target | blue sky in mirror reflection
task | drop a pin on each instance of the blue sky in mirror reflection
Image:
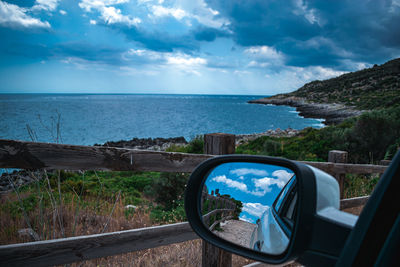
(255, 184)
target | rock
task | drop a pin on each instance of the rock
(158, 144)
(332, 113)
(244, 138)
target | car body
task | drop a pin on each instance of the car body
(274, 228)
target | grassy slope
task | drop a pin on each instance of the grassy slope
(372, 88)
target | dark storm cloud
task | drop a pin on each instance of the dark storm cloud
(94, 54)
(159, 41)
(366, 31)
(208, 34)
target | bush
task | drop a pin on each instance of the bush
(169, 189)
(369, 138)
(195, 146)
(177, 214)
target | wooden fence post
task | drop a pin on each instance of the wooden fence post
(337, 156)
(217, 144)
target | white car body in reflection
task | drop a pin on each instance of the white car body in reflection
(268, 236)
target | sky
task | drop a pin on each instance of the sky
(256, 185)
(257, 47)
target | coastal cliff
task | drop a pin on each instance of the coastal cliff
(345, 96)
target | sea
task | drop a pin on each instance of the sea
(87, 119)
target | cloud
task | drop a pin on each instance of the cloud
(264, 56)
(255, 209)
(230, 183)
(247, 171)
(185, 61)
(309, 14)
(160, 11)
(283, 176)
(342, 31)
(264, 185)
(63, 12)
(90, 5)
(208, 34)
(14, 16)
(108, 13)
(112, 15)
(46, 5)
(264, 52)
(245, 219)
(179, 61)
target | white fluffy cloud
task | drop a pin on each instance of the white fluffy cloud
(255, 209)
(112, 15)
(197, 10)
(264, 56)
(185, 61)
(46, 5)
(160, 11)
(230, 183)
(14, 16)
(282, 176)
(108, 13)
(264, 185)
(246, 171)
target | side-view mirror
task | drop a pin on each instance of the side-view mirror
(268, 209)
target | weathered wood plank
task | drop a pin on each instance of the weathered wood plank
(30, 155)
(353, 202)
(68, 250)
(207, 216)
(219, 221)
(219, 144)
(337, 168)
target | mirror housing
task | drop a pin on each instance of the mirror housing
(319, 231)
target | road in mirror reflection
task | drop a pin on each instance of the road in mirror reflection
(251, 204)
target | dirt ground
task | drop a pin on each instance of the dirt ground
(236, 231)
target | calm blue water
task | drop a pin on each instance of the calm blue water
(90, 119)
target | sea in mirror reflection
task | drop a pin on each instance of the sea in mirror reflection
(237, 204)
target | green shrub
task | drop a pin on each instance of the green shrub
(369, 138)
(195, 146)
(169, 189)
(177, 214)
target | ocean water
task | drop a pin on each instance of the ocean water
(86, 119)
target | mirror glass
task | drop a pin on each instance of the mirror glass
(251, 204)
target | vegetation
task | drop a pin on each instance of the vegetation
(195, 146)
(372, 88)
(369, 138)
(63, 204)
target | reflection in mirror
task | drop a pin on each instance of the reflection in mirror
(251, 204)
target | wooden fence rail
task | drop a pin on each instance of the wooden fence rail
(29, 155)
(216, 205)
(68, 250)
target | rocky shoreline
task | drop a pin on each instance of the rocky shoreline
(331, 113)
(157, 144)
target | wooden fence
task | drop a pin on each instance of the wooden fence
(29, 155)
(217, 209)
